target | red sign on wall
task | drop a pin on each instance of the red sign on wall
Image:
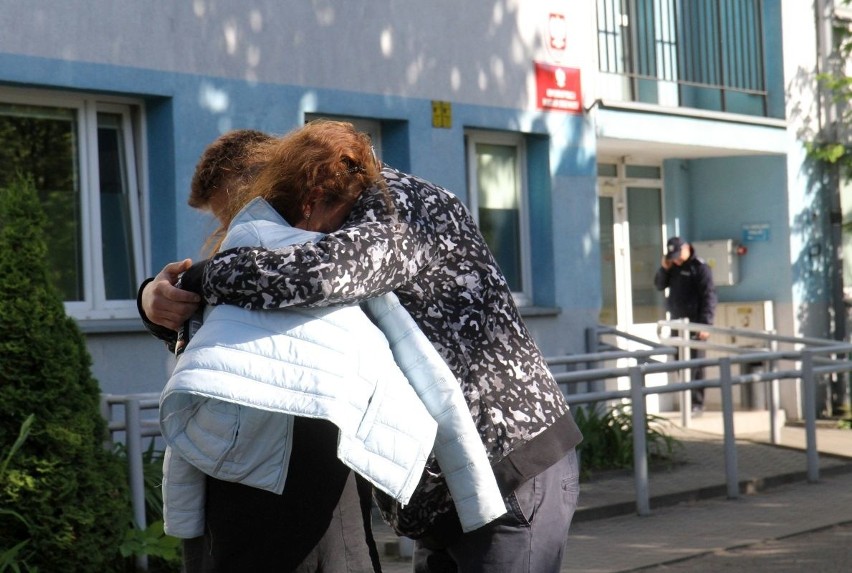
(558, 87)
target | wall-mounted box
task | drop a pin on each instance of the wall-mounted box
(722, 258)
(743, 316)
(750, 315)
(756, 315)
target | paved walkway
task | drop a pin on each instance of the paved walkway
(691, 515)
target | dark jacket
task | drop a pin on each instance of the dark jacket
(692, 294)
(429, 251)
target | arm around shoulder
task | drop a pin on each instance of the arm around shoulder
(368, 257)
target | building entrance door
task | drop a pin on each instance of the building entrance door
(631, 227)
(631, 223)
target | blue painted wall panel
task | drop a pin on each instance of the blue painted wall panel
(728, 193)
(184, 112)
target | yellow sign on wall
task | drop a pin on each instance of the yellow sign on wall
(442, 114)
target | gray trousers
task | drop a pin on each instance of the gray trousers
(530, 538)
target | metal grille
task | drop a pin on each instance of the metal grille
(712, 50)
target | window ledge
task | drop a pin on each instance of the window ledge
(112, 326)
(539, 311)
(689, 112)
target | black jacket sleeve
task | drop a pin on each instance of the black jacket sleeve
(706, 293)
(376, 252)
(167, 335)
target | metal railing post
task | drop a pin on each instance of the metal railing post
(133, 437)
(726, 389)
(591, 340)
(640, 447)
(592, 348)
(774, 401)
(809, 405)
(686, 395)
(809, 363)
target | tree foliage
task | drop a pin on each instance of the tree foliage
(833, 146)
(67, 492)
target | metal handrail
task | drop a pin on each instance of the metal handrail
(813, 357)
(770, 335)
(135, 428)
(816, 357)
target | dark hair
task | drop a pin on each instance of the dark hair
(223, 163)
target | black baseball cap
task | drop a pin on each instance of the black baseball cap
(673, 247)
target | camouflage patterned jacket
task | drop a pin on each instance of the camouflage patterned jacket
(428, 250)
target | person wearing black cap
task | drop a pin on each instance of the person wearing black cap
(692, 295)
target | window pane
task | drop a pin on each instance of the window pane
(608, 313)
(643, 172)
(607, 170)
(116, 234)
(42, 142)
(499, 207)
(705, 54)
(644, 207)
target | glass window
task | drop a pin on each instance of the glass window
(120, 281)
(80, 154)
(642, 172)
(41, 142)
(498, 203)
(371, 127)
(630, 211)
(705, 55)
(607, 170)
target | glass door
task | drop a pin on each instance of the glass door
(630, 203)
(645, 224)
(609, 301)
(631, 238)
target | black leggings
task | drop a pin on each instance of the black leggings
(316, 524)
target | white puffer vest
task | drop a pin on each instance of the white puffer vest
(227, 411)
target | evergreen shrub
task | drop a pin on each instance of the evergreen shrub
(68, 493)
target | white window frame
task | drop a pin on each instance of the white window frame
(516, 140)
(95, 305)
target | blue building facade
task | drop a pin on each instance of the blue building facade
(582, 134)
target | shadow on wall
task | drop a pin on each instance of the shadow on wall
(817, 267)
(397, 51)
